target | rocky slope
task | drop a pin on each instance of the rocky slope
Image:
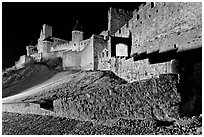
(29, 124)
(15, 81)
(103, 98)
(104, 102)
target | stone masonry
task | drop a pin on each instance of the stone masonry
(137, 45)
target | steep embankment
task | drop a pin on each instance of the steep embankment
(107, 103)
(17, 81)
(32, 76)
(102, 98)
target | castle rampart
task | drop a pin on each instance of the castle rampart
(117, 18)
(87, 57)
(159, 38)
(157, 32)
(159, 28)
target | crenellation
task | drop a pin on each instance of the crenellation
(145, 36)
(116, 19)
(141, 7)
(121, 10)
(160, 42)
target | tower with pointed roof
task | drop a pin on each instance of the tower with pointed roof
(77, 33)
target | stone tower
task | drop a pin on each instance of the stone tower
(46, 31)
(44, 44)
(77, 33)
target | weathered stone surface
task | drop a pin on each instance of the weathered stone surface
(131, 70)
(159, 27)
(117, 18)
(176, 24)
(101, 97)
(150, 99)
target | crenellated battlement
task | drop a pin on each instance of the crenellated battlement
(117, 18)
(153, 28)
(155, 40)
(161, 21)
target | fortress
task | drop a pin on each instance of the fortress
(159, 46)
(159, 38)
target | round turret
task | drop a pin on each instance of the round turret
(77, 33)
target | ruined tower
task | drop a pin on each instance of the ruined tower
(77, 33)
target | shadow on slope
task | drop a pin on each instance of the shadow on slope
(103, 97)
(25, 78)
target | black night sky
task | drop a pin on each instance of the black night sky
(22, 22)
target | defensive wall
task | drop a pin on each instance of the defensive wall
(117, 18)
(71, 60)
(87, 57)
(58, 41)
(166, 38)
(22, 61)
(99, 45)
(104, 99)
(160, 33)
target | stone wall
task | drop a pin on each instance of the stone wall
(139, 70)
(164, 26)
(104, 63)
(151, 99)
(84, 43)
(58, 41)
(99, 44)
(22, 61)
(56, 54)
(87, 55)
(66, 46)
(117, 18)
(71, 59)
(83, 59)
(26, 108)
(158, 28)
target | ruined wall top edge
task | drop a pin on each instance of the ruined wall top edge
(121, 11)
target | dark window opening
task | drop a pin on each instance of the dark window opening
(102, 54)
(48, 104)
(138, 16)
(152, 4)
